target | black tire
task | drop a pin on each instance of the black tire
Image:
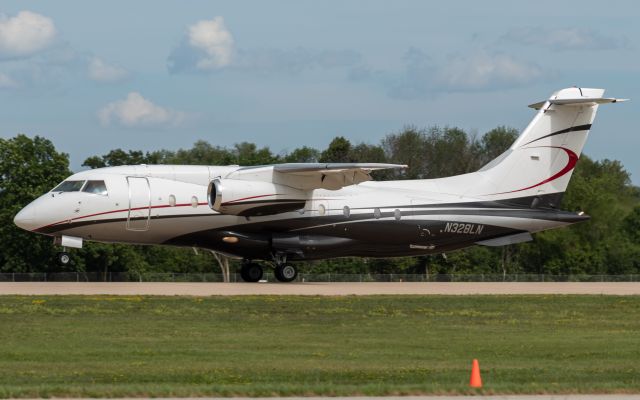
(251, 272)
(64, 258)
(286, 273)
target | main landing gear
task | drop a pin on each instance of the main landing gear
(253, 272)
(286, 273)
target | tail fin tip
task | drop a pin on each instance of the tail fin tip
(576, 96)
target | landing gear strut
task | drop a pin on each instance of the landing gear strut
(251, 272)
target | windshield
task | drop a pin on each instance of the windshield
(69, 186)
(96, 187)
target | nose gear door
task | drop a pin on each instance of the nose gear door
(139, 204)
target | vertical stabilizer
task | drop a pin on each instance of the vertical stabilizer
(543, 157)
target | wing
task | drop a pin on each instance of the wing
(307, 176)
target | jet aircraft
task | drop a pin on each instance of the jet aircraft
(278, 214)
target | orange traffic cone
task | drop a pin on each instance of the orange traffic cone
(475, 381)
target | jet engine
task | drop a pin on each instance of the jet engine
(253, 198)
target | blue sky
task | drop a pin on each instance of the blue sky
(94, 76)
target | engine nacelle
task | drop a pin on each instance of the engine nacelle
(253, 198)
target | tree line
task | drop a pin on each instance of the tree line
(607, 244)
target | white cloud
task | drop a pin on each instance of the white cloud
(424, 76)
(6, 82)
(25, 34)
(483, 70)
(100, 71)
(562, 38)
(136, 111)
(208, 45)
(215, 40)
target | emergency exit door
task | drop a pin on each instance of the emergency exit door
(139, 204)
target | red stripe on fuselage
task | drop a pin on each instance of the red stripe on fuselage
(117, 211)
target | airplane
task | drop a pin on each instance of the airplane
(274, 215)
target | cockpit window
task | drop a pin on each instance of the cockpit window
(96, 187)
(69, 186)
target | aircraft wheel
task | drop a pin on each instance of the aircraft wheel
(251, 272)
(64, 258)
(286, 273)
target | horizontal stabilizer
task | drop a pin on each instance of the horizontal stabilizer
(579, 101)
(505, 240)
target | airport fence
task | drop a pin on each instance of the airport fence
(306, 277)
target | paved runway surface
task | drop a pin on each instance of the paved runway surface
(315, 289)
(512, 397)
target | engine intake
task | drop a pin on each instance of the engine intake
(253, 198)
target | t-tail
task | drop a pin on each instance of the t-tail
(540, 162)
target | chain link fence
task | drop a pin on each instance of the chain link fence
(306, 277)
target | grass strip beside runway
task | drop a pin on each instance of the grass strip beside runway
(117, 346)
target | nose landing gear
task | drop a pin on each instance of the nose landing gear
(63, 258)
(66, 241)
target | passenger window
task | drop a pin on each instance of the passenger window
(96, 187)
(69, 186)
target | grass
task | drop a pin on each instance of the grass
(269, 345)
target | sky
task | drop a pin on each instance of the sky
(95, 76)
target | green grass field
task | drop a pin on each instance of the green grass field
(269, 345)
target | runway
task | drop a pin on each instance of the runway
(319, 289)
(496, 397)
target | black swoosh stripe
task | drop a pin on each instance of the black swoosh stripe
(251, 202)
(585, 127)
(545, 201)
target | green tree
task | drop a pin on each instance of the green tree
(29, 167)
(631, 225)
(249, 154)
(363, 153)
(496, 142)
(120, 157)
(407, 147)
(601, 245)
(203, 153)
(302, 154)
(339, 151)
(449, 152)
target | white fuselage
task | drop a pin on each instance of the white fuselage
(157, 204)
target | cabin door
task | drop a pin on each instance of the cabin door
(139, 204)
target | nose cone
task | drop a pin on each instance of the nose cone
(26, 218)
